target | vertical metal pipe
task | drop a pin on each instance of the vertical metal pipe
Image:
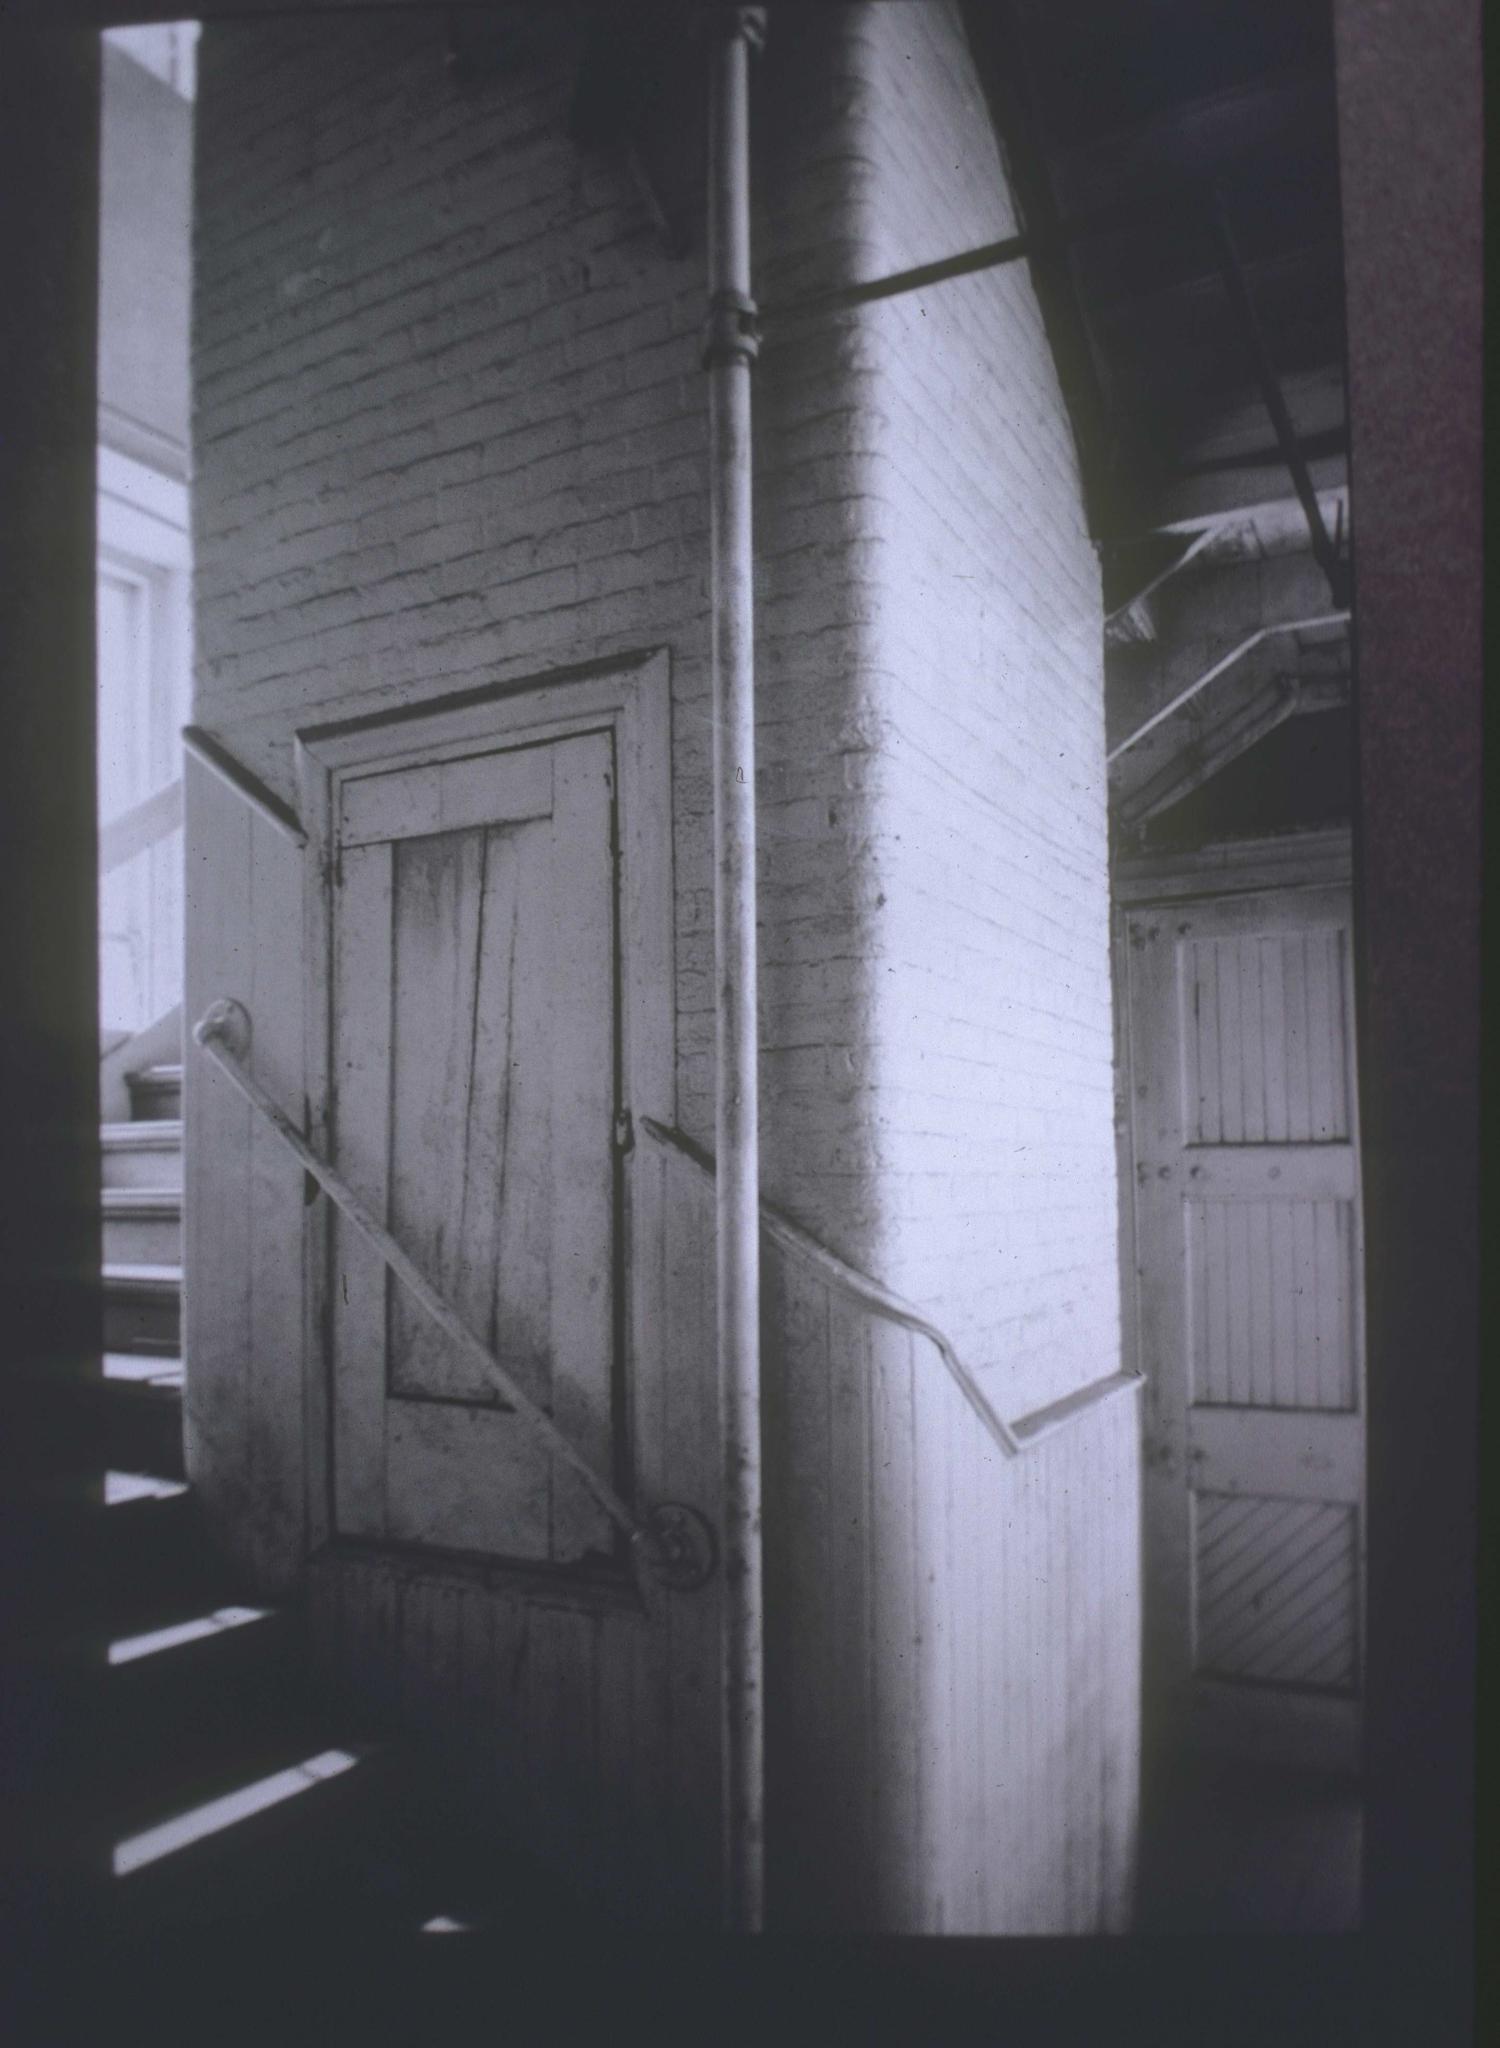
(730, 351)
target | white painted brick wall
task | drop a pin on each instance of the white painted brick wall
(451, 428)
(993, 1092)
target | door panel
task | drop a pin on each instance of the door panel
(1265, 1036)
(475, 1076)
(1249, 1298)
(473, 1211)
(1270, 1302)
(1277, 1590)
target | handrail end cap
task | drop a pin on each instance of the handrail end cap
(227, 1021)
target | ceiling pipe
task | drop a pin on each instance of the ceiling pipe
(732, 341)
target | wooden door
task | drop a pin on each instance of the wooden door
(1249, 1290)
(474, 1091)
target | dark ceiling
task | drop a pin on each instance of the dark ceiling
(1133, 110)
(1133, 113)
(1123, 122)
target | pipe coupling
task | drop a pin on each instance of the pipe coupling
(732, 329)
(731, 22)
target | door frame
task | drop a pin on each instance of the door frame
(630, 698)
(1247, 867)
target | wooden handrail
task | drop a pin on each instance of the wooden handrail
(142, 826)
(1013, 1438)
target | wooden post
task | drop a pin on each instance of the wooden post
(727, 358)
(1410, 104)
(49, 1063)
(50, 1305)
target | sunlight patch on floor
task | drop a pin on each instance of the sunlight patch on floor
(120, 1488)
(199, 1822)
(127, 1649)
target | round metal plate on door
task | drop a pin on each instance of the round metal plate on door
(680, 1546)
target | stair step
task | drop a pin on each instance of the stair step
(120, 1536)
(146, 1202)
(156, 1092)
(137, 1417)
(269, 1840)
(88, 1495)
(129, 1416)
(199, 1638)
(134, 1707)
(146, 1277)
(141, 1226)
(147, 1376)
(462, 1869)
(142, 1307)
(128, 1489)
(142, 1154)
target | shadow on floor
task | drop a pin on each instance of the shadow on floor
(1241, 1848)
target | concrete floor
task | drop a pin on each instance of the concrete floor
(1241, 1849)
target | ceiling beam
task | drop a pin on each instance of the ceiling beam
(1330, 561)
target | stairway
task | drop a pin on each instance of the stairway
(169, 1763)
(142, 1232)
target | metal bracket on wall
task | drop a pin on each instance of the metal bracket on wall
(681, 1549)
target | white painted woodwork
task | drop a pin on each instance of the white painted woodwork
(954, 1706)
(953, 1684)
(474, 1063)
(244, 1214)
(586, 1721)
(476, 1050)
(953, 1662)
(1248, 1259)
(1237, 867)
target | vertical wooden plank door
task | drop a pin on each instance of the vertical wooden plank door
(474, 1085)
(1249, 1291)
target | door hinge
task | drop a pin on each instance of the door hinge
(624, 1132)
